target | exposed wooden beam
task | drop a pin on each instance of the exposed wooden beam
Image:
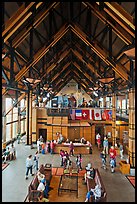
(102, 53)
(37, 20)
(22, 14)
(117, 29)
(42, 52)
(125, 16)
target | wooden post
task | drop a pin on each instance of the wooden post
(104, 102)
(27, 117)
(131, 142)
(19, 119)
(113, 119)
(30, 118)
(3, 120)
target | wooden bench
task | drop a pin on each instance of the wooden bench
(97, 180)
(33, 193)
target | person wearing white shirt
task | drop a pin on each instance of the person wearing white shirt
(12, 152)
(94, 192)
(43, 187)
(40, 176)
(29, 165)
(38, 145)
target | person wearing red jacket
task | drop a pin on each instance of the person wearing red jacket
(112, 153)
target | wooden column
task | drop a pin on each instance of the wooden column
(113, 119)
(19, 119)
(30, 118)
(131, 142)
(27, 117)
(11, 124)
(104, 101)
(3, 119)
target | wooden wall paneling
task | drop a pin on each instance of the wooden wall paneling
(49, 120)
(34, 125)
(81, 132)
(56, 120)
(93, 134)
(55, 130)
(42, 113)
(49, 132)
(65, 132)
(87, 133)
(64, 120)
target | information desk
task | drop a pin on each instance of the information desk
(79, 148)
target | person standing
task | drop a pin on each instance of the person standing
(38, 145)
(112, 153)
(103, 157)
(79, 162)
(105, 145)
(121, 151)
(36, 158)
(99, 142)
(12, 152)
(52, 145)
(71, 148)
(29, 165)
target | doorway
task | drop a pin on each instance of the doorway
(99, 128)
(43, 132)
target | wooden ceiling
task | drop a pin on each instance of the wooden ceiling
(54, 42)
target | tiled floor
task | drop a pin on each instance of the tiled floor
(15, 187)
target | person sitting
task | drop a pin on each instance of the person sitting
(43, 187)
(6, 155)
(40, 176)
(95, 193)
(42, 199)
(90, 172)
(83, 140)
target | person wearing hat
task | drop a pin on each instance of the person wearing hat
(43, 187)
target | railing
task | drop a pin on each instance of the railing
(122, 113)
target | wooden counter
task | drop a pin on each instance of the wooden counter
(78, 148)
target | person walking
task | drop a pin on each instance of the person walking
(29, 165)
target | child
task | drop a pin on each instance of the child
(103, 157)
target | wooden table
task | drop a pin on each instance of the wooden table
(68, 183)
(78, 148)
